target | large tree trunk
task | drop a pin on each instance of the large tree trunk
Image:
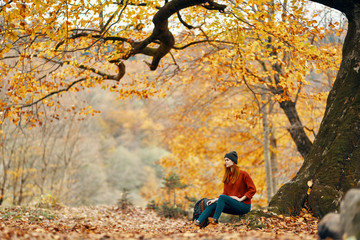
(333, 164)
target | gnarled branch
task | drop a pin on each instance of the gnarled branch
(161, 31)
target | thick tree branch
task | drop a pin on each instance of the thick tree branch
(161, 31)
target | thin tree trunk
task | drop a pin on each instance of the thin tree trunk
(296, 129)
(5, 167)
(169, 193)
(266, 147)
(273, 157)
(174, 197)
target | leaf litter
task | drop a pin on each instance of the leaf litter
(111, 222)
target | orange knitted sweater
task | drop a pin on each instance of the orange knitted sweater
(244, 185)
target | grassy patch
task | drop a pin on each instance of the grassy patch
(29, 214)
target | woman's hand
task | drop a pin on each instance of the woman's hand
(211, 201)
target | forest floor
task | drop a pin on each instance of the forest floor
(105, 222)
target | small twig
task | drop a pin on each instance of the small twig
(202, 41)
(53, 93)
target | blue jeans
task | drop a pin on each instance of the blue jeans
(225, 204)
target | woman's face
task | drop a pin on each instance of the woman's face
(228, 162)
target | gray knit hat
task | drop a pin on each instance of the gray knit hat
(232, 156)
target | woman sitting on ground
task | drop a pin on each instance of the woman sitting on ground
(239, 188)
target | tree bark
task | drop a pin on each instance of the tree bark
(333, 161)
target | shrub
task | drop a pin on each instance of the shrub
(152, 205)
(124, 202)
(168, 211)
(48, 201)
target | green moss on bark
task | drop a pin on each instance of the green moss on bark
(289, 199)
(324, 199)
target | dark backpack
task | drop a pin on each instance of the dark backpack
(199, 208)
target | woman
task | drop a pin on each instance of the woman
(236, 198)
